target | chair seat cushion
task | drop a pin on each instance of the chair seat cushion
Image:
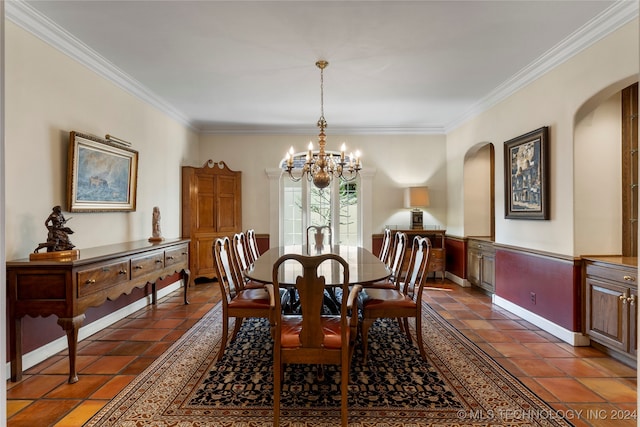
(251, 298)
(251, 284)
(385, 298)
(292, 325)
(381, 284)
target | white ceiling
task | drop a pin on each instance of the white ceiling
(395, 66)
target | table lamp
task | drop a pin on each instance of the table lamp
(416, 198)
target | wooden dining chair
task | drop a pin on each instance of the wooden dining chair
(239, 252)
(386, 246)
(396, 261)
(401, 303)
(313, 337)
(252, 243)
(238, 301)
(318, 236)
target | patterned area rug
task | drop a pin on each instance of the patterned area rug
(458, 384)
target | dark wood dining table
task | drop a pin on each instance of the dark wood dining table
(364, 266)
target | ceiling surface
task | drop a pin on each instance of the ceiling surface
(394, 66)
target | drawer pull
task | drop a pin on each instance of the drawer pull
(632, 300)
(169, 257)
(629, 278)
(158, 261)
(122, 272)
(185, 253)
(623, 299)
(90, 281)
(138, 267)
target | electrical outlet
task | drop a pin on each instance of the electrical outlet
(533, 297)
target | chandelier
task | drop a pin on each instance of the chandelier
(320, 167)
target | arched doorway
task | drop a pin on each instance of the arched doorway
(479, 191)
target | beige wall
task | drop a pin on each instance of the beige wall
(598, 180)
(48, 95)
(552, 101)
(399, 161)
(477, 191)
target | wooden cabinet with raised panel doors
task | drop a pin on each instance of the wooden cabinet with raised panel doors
(481, 260)
(211, 208)
(611, 303)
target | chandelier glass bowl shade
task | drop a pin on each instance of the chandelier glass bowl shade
(321, 167)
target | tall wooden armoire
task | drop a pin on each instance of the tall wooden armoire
(211, 208)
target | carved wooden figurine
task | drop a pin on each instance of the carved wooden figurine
(156, 232)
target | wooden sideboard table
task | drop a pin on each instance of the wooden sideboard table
(66, 288)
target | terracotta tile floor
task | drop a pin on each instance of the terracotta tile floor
(589, 387)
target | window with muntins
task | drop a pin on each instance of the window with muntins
(303, 205)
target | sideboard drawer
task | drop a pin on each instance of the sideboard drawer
(615, 273)
(103, 277)
(147, 264)
(436, 261)
(177, 255)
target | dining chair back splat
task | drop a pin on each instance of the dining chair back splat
(241, 262)
(318, 236)
(401, 303)
(396, 259)
(313, 337)
(386, 246)
(237, 300)
(241, 251)
(252, 242)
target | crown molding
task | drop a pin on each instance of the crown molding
(23, 15)
(221, 129)
(26, 17)
(617, 15)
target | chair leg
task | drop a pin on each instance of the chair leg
(419, 335)
(277, 383)
(236, 328)
(344, 387)
(366, 324)
(223, 339)
(407, 331)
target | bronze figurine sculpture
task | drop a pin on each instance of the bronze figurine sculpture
(58, 236)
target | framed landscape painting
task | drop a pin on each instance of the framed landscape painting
(526, 175)
(101, 175)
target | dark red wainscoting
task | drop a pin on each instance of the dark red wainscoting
(456, 250)
(554, 281)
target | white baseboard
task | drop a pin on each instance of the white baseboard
(576, 339)
(457, 280)
(42, 353)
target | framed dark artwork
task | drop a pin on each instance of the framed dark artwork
(526, 175)
(101, 175)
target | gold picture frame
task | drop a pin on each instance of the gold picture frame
(101, 175)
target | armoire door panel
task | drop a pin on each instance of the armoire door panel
(211, 208)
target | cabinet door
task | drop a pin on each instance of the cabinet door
(473, 266)
(633, 319)
(228, 211)
(487, 271)
(204, 220)
(607, 313)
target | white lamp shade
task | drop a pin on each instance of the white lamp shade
(416, 197)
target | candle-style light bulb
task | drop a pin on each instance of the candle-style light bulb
(290, 157)
(357, 158)
(343, 147)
